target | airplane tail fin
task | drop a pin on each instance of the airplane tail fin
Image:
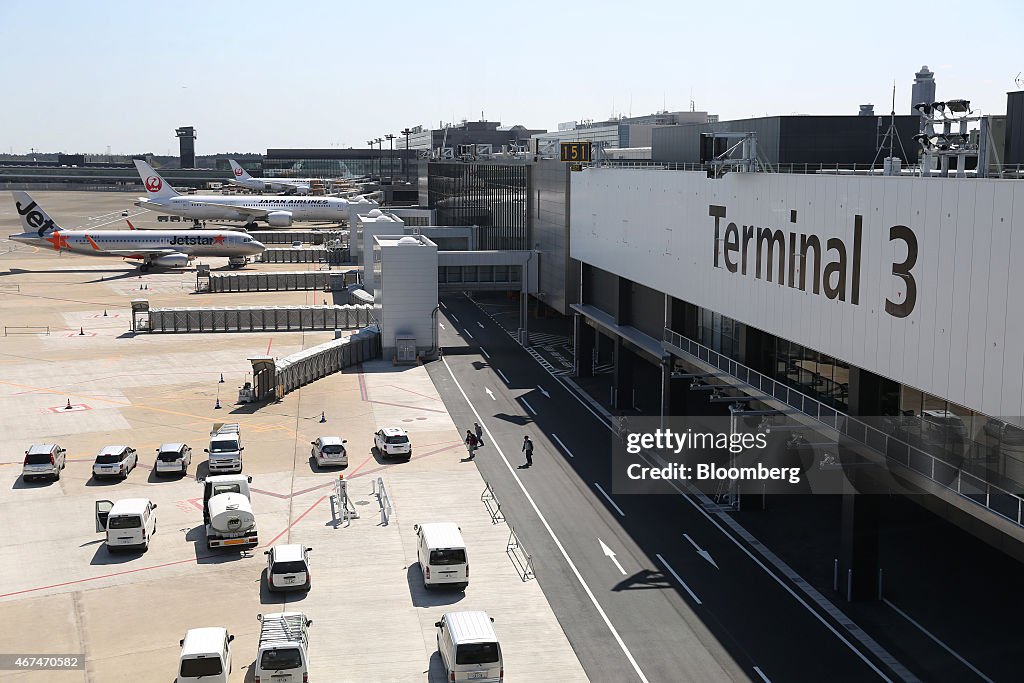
(156, 186)
(33, 218)
(239, 172)
(130, 226)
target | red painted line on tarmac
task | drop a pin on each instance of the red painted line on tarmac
(105, 576)
(268, 346)
(297, 520)
(432, 398)
(353, 472)
(399, 405)
(362, 384)
(197, 503)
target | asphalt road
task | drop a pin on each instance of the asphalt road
(681, 600)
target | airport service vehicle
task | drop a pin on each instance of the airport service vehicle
(237, 261)
(225, 449)
(441, 553)
(392, 442)
(155, 248)
(283, 655)
(227, 512)
(172, 458)
(205, 656)
(329, 450)
(287, 185)
(297, 244)
(276, 211)
(468, 647)
(43, 460)
(129, 523)
(115, 461)
(288, 567)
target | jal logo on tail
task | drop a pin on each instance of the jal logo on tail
(35, 219)
(153, 183)
(238, 171)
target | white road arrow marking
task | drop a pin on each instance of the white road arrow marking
(442, 326)
(611, 553)
(490, 393)
(700, 551)
(544, 391)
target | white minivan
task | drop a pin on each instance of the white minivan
(441, 553)
(468, 647)
(205, 656)
(129, 523)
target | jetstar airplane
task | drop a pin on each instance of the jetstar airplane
(286, 185)
(163, 248)
(277, 211)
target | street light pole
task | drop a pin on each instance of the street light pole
(391, 158)
(380, 164)
(370, 143)
(407, 132)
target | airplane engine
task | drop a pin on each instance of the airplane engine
(279, 219)
(171, 261)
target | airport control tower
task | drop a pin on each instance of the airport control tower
(923, 89)
(187, 142)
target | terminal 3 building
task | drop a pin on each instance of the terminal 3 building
(882, 309)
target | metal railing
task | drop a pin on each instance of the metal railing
(342, 508)
(1006, 171)
(26, 329)
(383, 499)
(522, 560)
(941, 472)
(492, 505)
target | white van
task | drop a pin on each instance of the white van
(129, 523)
(441, 553)
(469, 649)
(283, 655)
(205, 656)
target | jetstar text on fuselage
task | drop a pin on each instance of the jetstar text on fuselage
(179, 240)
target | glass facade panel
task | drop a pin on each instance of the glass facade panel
(493, 196)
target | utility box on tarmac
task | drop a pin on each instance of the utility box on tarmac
(405, 297)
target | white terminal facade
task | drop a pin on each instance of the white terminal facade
(891, 298)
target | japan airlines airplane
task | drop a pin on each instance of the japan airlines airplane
(286, 185)
(277, 211)
(164, 248)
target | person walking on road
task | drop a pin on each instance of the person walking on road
(528, 450)
(479, 434)
(471, 444)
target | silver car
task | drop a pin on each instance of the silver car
(43, 460)
(330, 450)
(115, 461)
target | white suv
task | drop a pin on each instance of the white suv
(173, 457)
(43, 460)
(115, 461)
(392, 442)
(288, 567)
(329, 450)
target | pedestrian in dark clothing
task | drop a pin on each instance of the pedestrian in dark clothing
(528, 449)
(471, 443)
(479, 434)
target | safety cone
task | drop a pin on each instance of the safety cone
(104, 313)
(81, 331)
(323, 417)
(68, 406)
(140, 286)
(216, 406)
(221, 378)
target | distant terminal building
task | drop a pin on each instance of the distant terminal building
(467, 138)
(794, 142)
(624, 132)
(339, 163)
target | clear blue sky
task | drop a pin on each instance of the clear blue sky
(81, 76)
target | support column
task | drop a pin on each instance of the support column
(859, 555)
(585, 337)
